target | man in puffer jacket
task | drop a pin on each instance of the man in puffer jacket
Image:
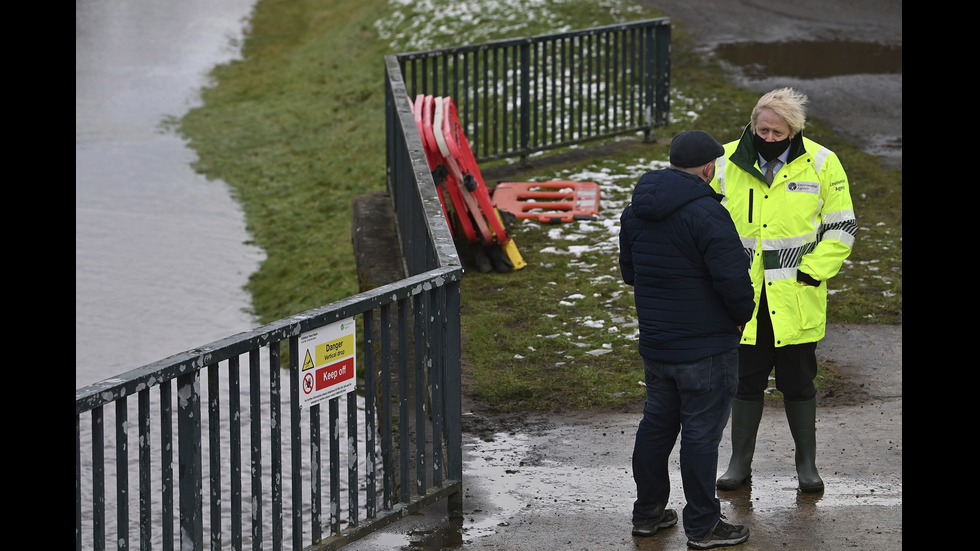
(690, 275)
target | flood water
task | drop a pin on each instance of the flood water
(161, 253)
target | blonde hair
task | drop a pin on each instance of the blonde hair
(788, 103)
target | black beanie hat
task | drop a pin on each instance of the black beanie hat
(694, 148)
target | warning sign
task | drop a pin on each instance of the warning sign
(329, 365)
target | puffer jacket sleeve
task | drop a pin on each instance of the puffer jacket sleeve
(625, 254)
(728, 264)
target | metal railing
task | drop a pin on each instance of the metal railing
(409, 400)
(225, 455)
(525, 95)
(398, 449)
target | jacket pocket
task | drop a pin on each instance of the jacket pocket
(812, 304)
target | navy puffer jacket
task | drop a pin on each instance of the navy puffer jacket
(690, 274)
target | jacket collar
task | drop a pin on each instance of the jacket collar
(745, 156)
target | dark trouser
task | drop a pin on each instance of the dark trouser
(693, 399)
(796, 368)
(795, 364)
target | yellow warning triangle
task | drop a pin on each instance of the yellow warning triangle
(308, 362)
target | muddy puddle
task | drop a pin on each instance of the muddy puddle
(812, 60)
(853, 86)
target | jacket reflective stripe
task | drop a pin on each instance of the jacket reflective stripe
(789, 251)
(840, 226)
(720, 177)
(749, 243)
(819, 158)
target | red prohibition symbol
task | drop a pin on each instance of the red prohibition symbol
(308, 383)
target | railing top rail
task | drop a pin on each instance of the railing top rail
(438, 232)
(131, 382)
(660, 21)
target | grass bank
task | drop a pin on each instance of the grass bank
(296, 130)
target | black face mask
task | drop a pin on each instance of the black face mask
(769, 150)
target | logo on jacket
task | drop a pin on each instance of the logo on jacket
(802, 187)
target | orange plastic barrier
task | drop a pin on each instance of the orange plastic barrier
(455, 173)
(551, 202)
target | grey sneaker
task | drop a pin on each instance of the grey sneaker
(651, 527)
(722, 534)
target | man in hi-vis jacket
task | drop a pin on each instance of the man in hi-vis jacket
(791, 204)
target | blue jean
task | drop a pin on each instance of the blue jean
(695, 400)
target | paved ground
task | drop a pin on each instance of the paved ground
(566, 483)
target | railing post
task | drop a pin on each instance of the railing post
(167, 464)
(663, 74)
(122, 474)
(453, 396)
(649, 96)
(275, 438)
(214, 451)
(189, 453)
(333, 413)
(404, 444)
(144, 453)
(296, 442)
(78, 484)
(255, 444)
(98, 478)
(525, 111)
(420, 326)
(352, 462)
(370, 425)
(235, 452)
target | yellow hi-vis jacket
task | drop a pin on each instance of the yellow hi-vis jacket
(803, 222)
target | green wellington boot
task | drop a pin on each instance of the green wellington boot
(802, 418)
(746, 415)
